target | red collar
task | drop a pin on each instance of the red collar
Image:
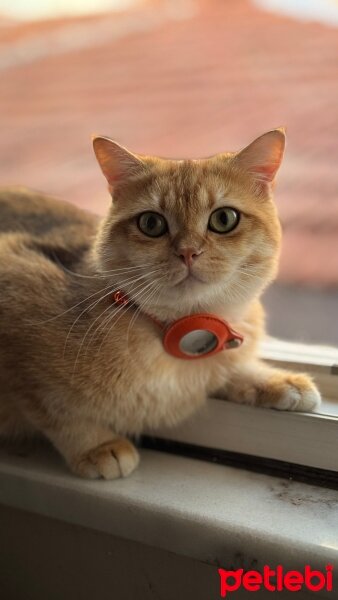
(195, 336)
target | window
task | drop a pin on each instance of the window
(170, 82)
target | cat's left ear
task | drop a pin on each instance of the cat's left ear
(263, 157)
(116, 162)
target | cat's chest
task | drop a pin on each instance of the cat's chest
(145, 363)
(155, 389)
(136, 359)
(142, 385)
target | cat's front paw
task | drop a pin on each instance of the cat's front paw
(113, 459)
(289, 391)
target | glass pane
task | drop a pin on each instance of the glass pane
(303, 313)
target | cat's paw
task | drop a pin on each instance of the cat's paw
(289, 391)
(113, 459)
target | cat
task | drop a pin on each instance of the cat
(88, 370)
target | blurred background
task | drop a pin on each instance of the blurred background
(184, 78)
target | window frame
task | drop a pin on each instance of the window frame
(284, 440)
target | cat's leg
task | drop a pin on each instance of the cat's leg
(258, 384)
(93, 451)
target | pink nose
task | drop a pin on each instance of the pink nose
(188, 255)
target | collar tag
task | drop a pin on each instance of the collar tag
(195, 336)
(199, 336)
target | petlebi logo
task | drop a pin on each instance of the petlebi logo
(275, 580)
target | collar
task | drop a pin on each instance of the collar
(194, 336)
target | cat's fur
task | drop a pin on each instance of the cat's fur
(85, 372)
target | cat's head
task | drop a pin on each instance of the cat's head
(191, 234)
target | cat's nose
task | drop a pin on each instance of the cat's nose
(188, 255)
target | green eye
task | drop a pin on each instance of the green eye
(152, 224)
(223, 220)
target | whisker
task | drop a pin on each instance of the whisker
(64, 268)
(140, 294)
(117, 271)
(140, 308)
(93, 323)
(110, 318)
(117, 309)
(248, 273)
(73, 307)
(133, 279)
(111, 287)
(145, 265)
(99, 274)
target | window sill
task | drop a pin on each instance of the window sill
(308, 440)
(303, 445)
(209, 512)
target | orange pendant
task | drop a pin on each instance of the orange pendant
(198, 336)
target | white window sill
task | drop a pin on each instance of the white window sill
(205, 511)
(293, 442)
(309, 440)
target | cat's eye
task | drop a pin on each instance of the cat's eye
(223, 220)
(152, 224)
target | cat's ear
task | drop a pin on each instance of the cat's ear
(117, 163)
(263, 157)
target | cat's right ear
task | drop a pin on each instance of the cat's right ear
(117, 163)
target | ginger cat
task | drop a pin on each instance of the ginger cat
(181, 237)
